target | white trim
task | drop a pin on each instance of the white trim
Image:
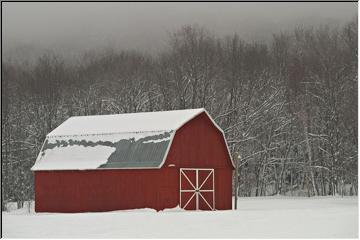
(167, 150)
(205, 169)
(38, 157)
(96, 169)
(180, 188)
(213, 182)
(197, 189)
(218, 127)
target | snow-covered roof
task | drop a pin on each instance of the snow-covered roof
(120, 141)
(120, 150)
(128, 122)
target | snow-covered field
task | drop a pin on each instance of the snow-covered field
(270, 217)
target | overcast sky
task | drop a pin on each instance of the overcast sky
(77, 27)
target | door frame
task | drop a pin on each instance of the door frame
(197, 189)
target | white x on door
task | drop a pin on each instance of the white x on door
(197, 189)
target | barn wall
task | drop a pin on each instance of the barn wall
(105, 190)
(198, 144)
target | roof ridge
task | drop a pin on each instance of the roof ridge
(124, 123)
(115, 114)
(108, 133)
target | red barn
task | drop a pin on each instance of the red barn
(139, 160)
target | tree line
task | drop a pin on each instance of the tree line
(288, 106)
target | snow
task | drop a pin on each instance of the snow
(79, 157)
(158, 140)
(74, 157)
(110, 137)
(129, 122)
(267, 217)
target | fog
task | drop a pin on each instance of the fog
(30, 29)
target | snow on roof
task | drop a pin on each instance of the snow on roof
(132, 140)
(128, 122)
(121, 150)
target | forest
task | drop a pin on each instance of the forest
(288, 106)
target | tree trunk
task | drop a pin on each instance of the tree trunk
(308, 148)
(236, 158)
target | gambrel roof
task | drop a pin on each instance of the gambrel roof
(120, 141)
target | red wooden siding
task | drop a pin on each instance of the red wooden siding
(198, 144)
(104, 190)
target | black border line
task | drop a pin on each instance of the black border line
(184, 1)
